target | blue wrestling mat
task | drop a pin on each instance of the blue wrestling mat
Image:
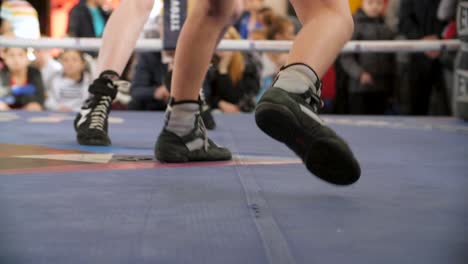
(65, 203)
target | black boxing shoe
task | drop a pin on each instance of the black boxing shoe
(292, 119)
(194, 147)
(91, 123)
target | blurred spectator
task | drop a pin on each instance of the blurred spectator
(6, 28)
(418, 21)
(46, 64)
(371, 74)
(401, 103)
(233, 80)
(250, 20)
(21, 85)
(68, 89)
(21, 18)
(281, 28)
(447, 10)
(266, 16)
(392, 14)
(148, 90)
(88, 19)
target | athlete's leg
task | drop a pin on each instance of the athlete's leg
(119, 40)
(288, 110)
(327, 26)
(198, 40)
(184, 136)
(121, 34)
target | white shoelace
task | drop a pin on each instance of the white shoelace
(316, 97)
(99, 113)
(204, 132)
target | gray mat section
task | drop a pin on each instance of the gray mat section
(411, 205)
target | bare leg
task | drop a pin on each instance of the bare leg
(121, 34)
(328, 25)
(198, 40)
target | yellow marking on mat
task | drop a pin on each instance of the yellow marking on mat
(116, 120)
(6, 117)
(89, 158)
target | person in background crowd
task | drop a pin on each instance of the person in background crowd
(88, 19)
(21, 85)
(6, 28)
(447, 12)
(371, 75)
(281, 28)
(21, 17)
(68, 89)
(402, 102)
(418, 21)
(249, 20)
(392, 14)
(47, 65)
(148, 90)
(233, 80)
(266, 16)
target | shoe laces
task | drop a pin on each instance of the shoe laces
(99, 114)
(203, 130)
(202, 98)
(314, 99)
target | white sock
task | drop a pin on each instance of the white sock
(298, 78)
(181, 117)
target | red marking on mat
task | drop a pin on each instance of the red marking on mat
(139, 166)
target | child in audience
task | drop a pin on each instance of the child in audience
(370, 74)
(68, 89)
(21, 85)
(46, 64)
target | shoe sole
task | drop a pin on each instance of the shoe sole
(328, 158)
(86, 141)
(185, 159)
